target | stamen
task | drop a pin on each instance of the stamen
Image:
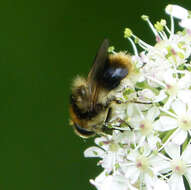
(162, 176)
(168, 103)
(172, 27)
(111, 49)
(169, 139)
(134, 47)
(140, 143)
(140, 113)
(157, 81)
(134, 139)
(120, 128)
(163, 35)
(141, 42)
(128, 34)
(168, 112)
(167, 29)
(146, 18)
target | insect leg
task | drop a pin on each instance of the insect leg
(108, 115)
(130, 101)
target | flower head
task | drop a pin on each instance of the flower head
(150, 142)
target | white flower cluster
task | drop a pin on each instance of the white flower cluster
(150, 147)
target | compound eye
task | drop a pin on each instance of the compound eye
(82, 132)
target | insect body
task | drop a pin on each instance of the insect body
(91, 98)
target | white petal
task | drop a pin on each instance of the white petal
(134, 177)
(102, 176)
(184, 82)
(149, 181)
(131, 110)
(177, 11)
(113, 183)
(165, 123)
(168, 78)
(163, 166)
(102, 141)
(128, 137)
(132, 156)
(186, 23)
(152, 113)
(186, 155)
(108, 161)
(118, 182)
(132, 173)
(135, 121)
(147, 93)
(152, 141)
(105, 184)
(94, 152)
(160, 184)
(120, 137)
(99, 139)
(173, 150)
(180, 137)
(179, 107)
(176, 182)
(162, 95)
(184, 96)
(169, 102)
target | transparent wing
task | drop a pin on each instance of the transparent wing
(99, 61)
(98, 66)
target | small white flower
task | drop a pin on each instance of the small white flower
(176, 87)
(143, 124)
(186, 23)
(141, 167)
(109, 182)
(110, 150)
(180, 165)
(180, 121)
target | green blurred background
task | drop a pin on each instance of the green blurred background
(43, 45)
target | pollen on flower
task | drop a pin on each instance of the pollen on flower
(128, 32)
(159, 26)
(111, 49)
(163, 22)
(185, 122)
(142, 163)
(146, 127)
(145, 17)
(114, 147)
(178, 166)
(172, 89)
